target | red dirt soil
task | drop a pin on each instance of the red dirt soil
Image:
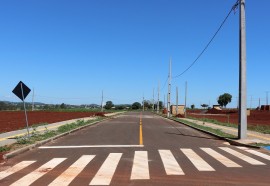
(10, 120)
(256, 117)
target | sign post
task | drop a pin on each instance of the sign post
(21, 91)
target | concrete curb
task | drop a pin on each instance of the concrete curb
(232, 142)
(37, 144)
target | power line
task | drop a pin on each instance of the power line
(208, 44)
(164, 85)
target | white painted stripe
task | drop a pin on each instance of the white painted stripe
(88, 146)
(106, 171)
(36, 174)
(170, 164)
(66, 177)
(259, 154)
(140, 168)
(242, 148)
(222, 159)
(197, 161)
(242, 156)
(15, 168)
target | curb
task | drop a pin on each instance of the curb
(232, 142)
(37, 144)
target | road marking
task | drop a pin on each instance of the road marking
(258, 154)
(141, 134)
(89, 146)
(140, 168)
(197, 161)
(15, 168)
(222, 159)
(106, 171)
(242, 148)
(170, 164)
(242, 156)
(36, 174)
(66, 177)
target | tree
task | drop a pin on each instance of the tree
(147, 104)
(119, 107)
(63, 106)
(204, 105)
(109, 105)
(224, 99)
(192, 106)
(3, 105)
(160, 105)
(136, 106)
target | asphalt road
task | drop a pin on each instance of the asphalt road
(138, 149)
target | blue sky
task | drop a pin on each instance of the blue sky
(69, 51)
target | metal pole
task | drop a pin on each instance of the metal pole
(186, 100)
(158, 100)
(25, 112)
(176, 101)
(242, 124)
(169, 89)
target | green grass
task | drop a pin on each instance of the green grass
(214, 121)
(37, 136)
(209, 129)
(265, 129)
(4, 148)
(261, 144)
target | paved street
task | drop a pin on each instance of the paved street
(138, 149)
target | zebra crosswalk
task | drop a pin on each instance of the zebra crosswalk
(140, 169)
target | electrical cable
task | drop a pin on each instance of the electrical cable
(213, 37)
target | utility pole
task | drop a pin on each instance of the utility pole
(153, 99)
(33, 106)
(158, 100)
(143, 102)
(242, 124)
(176, 101)
(164, 103)
(169, 89)
(102, 101)
(186, 100)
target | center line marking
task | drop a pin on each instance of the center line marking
(141, 135)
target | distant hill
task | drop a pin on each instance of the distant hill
(16, 103)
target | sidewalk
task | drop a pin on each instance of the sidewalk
(252, 136)
(10, 137)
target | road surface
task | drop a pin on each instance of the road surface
(138, 149)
